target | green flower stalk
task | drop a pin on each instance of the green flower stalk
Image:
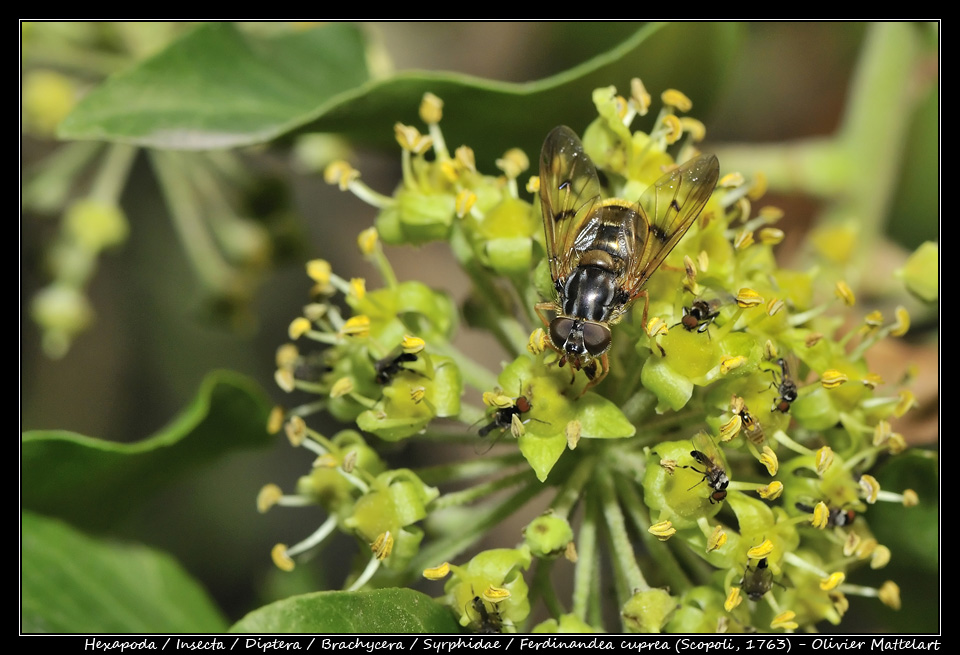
(721, 461)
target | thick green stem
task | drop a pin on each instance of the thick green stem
(620, 540)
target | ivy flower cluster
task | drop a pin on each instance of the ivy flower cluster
(722, 467)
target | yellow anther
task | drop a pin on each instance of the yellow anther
(668, 465)
(840, 602)
(573, 432)
(431, 109)
(383, 546)
(319, 271)
(513, 163)
(762, 550)
(639, 96)
(874, 319)
(744, 239)
(889, 594)
(903, 322)
(298, 327)
(268, 497)
(537, 342)
(450, 170)
(570, 552)
(703, 261)
(674, 128)
(812, 339)
(772, 491)
(358, 287)
(662, 530)
(326, 461)
(356, 326)
(731, 428)
(774, 306)
(770, 461)
(495, 594)
(497, 399)
(728, 363)
(731, 180)
(717, 539)
(906, 402)
(656, 327)
(733, 599)
(367, 241)
(516, 427)
(340, 173)
(341, 387)
(287, 355)
(281, 559)
(465, 158)
(870, 488)
(464, 202)
(881, 432)
(275, 420)
(845, 293)
(770, 236)
(437, 572)
(689, 267)
(412, 345)
(785, 621)
(284, 379)
(823, 459)
(315, 310)
(759, 187)
(880, 557)
(896, 444)
(910, 498)
(747, 297)
(851, 544)
(770, 351)
(349, 461)
(833, 581)
(417, 394)
(693, 127)
(871, 380)
(296, 430)
(770, 214)
(866, 548)
(533, 184)
(411, 140)
(832, 378)
(678, 99)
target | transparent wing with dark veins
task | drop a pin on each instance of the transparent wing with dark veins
(665, 212)
(569, 191)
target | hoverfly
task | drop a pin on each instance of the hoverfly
(706, 454)
(488, 621)
(392, 365)
(786, 388)
(602, 252)
(503, 416)
(751, 426)
(836, 517)
(700, 315)
(757, 581)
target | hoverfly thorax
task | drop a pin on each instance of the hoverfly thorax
(602, 252)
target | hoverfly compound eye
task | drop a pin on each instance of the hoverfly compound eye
(560, 329)
(596, 337)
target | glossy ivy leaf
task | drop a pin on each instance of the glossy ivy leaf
(75, 583)
(218, 88)
(379, 611)
(92, 483)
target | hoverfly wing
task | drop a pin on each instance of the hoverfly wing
(704, 443)
(665, 212)
(569, 190)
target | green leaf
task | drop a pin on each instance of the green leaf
(216, 88)
(74, 583)
(219, 88)
(378, 611)
(91, 483)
